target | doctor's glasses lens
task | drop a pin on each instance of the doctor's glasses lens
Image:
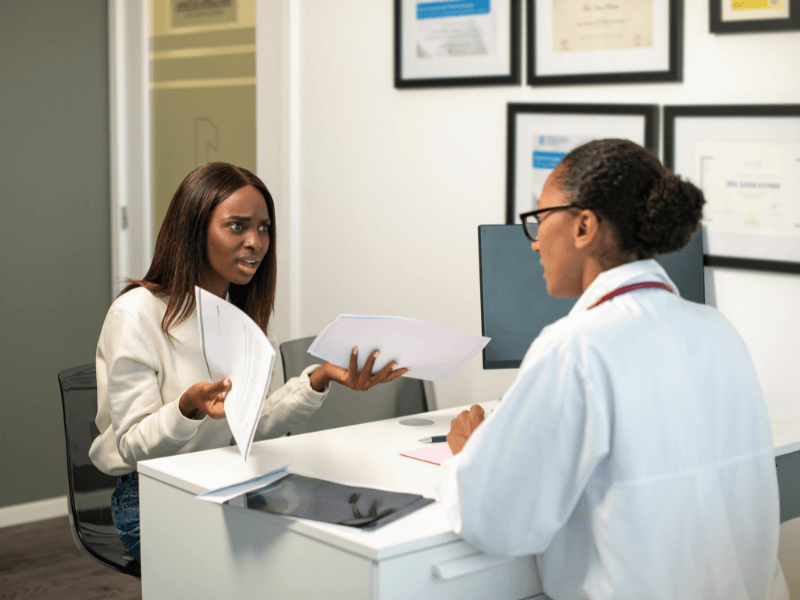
(531, 228)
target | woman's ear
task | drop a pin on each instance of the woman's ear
(586, 230)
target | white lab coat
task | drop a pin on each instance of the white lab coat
(633, 455)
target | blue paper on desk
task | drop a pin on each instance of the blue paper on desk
(431, 351)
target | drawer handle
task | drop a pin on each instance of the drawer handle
(468, 564)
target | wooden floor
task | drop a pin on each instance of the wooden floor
(41, 561)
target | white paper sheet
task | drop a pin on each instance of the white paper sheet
(430, 351)
(223, 494)
(234, 346)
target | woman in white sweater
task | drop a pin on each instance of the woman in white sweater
(154, 393)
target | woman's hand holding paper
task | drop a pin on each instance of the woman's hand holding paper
(352, 377)
(205, 399)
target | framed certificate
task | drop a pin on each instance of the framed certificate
(746, 159)
(540, 135)
(456, 42)
(582, 41)
(743, 16)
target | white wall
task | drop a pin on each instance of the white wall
(390, 186)
(380, 191)
(393, 184)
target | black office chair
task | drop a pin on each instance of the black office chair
(89, 489)
(343, 406)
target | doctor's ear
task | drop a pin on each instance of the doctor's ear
(587, 229)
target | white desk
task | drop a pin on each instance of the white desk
(194, 549)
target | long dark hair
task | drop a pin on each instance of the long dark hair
(180, 254)
(651, 210)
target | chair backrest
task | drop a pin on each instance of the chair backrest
(89, 489)
(343, 406)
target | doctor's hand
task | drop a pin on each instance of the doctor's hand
(352, 377)
(205, 399)
(462, 427)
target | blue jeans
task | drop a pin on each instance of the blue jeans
(125, 511)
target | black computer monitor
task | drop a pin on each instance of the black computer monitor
(515, 305)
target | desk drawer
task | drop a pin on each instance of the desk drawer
(455, 571)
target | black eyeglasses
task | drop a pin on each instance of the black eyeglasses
(531, 220)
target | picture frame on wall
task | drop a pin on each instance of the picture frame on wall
(456, 43)
(749, 16)
(583, 42)
(540, 135)
(746, 159)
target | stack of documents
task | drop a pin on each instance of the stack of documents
(430, 351)
(234, 346)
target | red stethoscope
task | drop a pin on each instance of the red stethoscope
(629, 288)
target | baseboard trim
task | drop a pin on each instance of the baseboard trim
(29, 512)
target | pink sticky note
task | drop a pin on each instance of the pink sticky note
(436, 453)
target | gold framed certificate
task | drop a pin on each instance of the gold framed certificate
(746, 159)
(743, 16)
(584, 41)
(580, 26)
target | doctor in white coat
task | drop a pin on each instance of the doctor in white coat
(633, 454)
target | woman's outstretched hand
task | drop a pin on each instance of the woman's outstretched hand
(205, 399)
(462, 427)
(352, 377)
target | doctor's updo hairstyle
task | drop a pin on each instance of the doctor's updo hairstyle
(650, 210)
(180, 256)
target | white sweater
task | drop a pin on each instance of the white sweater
(141, 375)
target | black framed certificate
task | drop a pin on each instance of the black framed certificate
(582, 41)
(746, 159)
(456, 42)
(745, 16)
(540, 135)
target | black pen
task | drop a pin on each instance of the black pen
(434, 439)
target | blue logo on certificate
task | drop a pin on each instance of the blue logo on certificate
(437, 10)
(547, 160)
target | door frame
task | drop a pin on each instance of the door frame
(130, 104)
(277, 144)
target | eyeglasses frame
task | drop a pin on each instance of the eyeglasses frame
(535, 214)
